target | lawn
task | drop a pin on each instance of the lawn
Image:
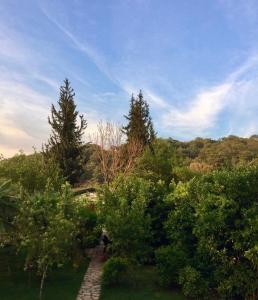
(142, 286)
(63, 283)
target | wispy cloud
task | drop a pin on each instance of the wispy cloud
(22, 119)
(236, 94)
(201, 113)
(84, 47)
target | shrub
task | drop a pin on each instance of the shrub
(157, 162)
(31, 171)
(192, 283)
(87, 222)
(170, 261)
(122, 209)
(114, 270)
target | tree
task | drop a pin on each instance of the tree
(140, 126)
(159, 166)
(66, 139)
(213, 220)
(51, 228)
(122, 211)
(113, 154)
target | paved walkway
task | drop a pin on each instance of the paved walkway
(91, 285)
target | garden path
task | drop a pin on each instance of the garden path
(91, 285)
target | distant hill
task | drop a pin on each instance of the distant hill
(227, 152)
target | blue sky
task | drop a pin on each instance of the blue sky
(196, 62)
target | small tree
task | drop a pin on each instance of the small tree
(46, 229)
(66, 139)
(114, 155)
(122, 208)
(140, 126)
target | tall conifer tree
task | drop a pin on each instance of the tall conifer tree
(140, 126)
(66, 140)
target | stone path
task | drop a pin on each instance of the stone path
(91, 285)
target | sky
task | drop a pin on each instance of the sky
(196, 62)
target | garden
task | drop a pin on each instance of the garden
(180, 224)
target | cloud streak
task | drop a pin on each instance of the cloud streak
(84, 47)
(22, 119)
(235, 93)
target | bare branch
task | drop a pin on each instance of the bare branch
(115, 156)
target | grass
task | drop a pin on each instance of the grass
(63, 283)
(144, 286)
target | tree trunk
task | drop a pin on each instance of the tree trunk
(42, 282)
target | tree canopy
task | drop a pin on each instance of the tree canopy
(140, 126)
(66, 139)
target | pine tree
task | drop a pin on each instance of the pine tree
(66, 140)
(140, 126)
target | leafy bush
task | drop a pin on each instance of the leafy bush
(213, 219)
(158, 210)
(157, 163)
(31, 171)
(114, 270)
(48, 227)
(87, 223)
(192, 283)
(170, 261)
(8, 210)
(122, 209)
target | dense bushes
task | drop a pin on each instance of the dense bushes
(209, 225)
(114, 270)
(213, 220)
(8, 210)
(157, 162)
(123, 214)
(200, 227)
(170, 260)
(51, 226)
(30, 171)
(193, 285)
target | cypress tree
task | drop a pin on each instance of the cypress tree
(66, 140)
(140, 126)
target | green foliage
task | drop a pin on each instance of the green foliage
(91, 164)
(49, 225)
(46, 227)
(181, 218)
(183, 174)
(192, 283)
(170, 260)
(140, 126)
(66, 139)
(87, 223)
(213, 219)
(223, 230)
(122, 210)
(158, 162)
(8, 209)
(158, 210)
(228, 152)
(30, 171)
(114, 270)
